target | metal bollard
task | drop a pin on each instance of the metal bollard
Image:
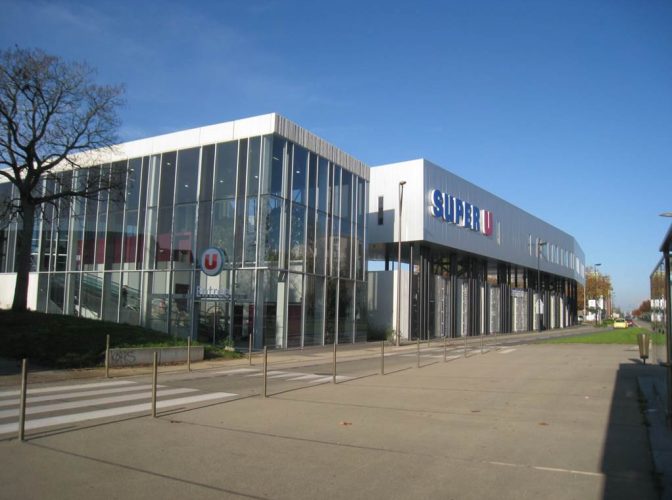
(445, 348)
(188, 354)
(465, 345)
(382, 358)
(418, 351)
(249, 351)
(265, 368)
(334, 368)
(24, 390)
(154, 379)
(481, 342)
(107, 357)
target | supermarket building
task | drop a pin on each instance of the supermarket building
(295, 222)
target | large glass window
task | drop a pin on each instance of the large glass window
(91, 294)
(346, 311)
(187, 175)
(111, 292)
(254, 164)
(323, 185)
(346, 195)
(294, 309)
(167, 187)
(299, 175)
(250, 257)
(204, 209)
(129, 311)
(297, 240)
(133, 183)
(56, 293)
(314, 300)
(267, 303)
(269, 232)
(321, 244)
(184, 235)
(222, 226)
(225, 170)
(164, 226)
(207, 172)
(275, 176)
(180, 317)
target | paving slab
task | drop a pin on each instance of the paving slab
(541, 421)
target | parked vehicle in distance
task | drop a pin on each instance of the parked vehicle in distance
(620, 323)
(629, 321)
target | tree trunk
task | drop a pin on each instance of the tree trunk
(23, 250)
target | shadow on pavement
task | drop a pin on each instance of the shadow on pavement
(627, 462)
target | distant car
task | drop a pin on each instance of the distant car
(620, 323)
(629, 322)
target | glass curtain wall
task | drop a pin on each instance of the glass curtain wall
(291, 225)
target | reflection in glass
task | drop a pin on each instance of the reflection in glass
(183, 235)
(56, 293)
(225, 170)
(297, 238)
(345, 311)
(299, 175)
(91, 295)
(187, 175)
(314, 299)
(129, 311)
(269, 234)
(222, 226)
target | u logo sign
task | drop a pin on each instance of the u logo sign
(212, 261)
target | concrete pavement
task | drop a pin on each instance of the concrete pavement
(530, 421)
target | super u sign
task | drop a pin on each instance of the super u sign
(212, 261)
(459, 212)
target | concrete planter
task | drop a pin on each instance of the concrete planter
(134, 356)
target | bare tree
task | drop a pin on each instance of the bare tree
(51, 114)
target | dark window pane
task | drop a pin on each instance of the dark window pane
(312, 180)
(203, 227)
(133, 183)
(322, 185)
(253, 166)
(269, 232)
(183, 234)
(225, 170)
(250, 256)
(297, 241)
(222, 226)
(163, 237)
(346, 195)
(167, 179)
(299, 175)
(277, 164)
(187, 175)
(207, 171)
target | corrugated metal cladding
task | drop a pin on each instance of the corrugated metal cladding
(308, 140)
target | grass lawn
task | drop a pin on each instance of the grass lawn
(619, 336)
(58, 341)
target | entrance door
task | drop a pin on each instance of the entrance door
(214, 321)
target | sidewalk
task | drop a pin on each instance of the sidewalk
(532, 421)
(10, 370)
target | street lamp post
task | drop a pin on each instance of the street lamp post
(540, 314)
(401, 201)
(597, 274)
(667, 248)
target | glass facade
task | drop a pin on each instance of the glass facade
(290, 223)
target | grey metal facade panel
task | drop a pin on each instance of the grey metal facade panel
(308, 140)
(512, 226)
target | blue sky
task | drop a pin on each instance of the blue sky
(561, 108)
